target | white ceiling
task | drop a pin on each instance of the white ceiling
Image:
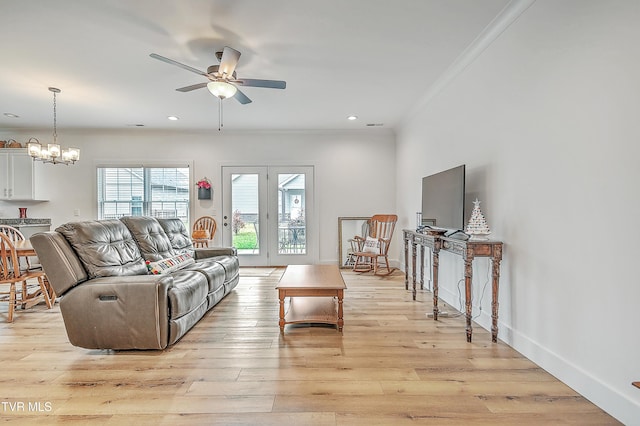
(371, 58)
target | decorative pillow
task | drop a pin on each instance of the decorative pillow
(170, 264)
(371, 245)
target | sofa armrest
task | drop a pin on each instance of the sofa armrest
(206, 252)
(125, 312)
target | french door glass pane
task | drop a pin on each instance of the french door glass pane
(245, 213)
(292, 228)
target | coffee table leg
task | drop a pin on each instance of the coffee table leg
(340, 319)
(281, 297)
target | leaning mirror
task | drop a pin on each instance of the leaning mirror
(348, 228)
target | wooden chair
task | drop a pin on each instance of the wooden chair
(204, 229)
(11, 273)
(356, 244)
(14, 235)
(376, 246)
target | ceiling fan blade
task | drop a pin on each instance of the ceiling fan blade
(270, 84)
(242, 98)
(192, 87)
(178, 64)
(229, 61)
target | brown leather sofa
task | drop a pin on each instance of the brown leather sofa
(110, 300)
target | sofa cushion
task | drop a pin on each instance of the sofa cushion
(105, 248)
(189, 291)
(230, 264)
(178, 235)
(214, 272)
(169, 264)
(153, 242)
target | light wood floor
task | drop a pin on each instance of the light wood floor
(391, 365)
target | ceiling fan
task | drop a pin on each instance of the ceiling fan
(223, 81)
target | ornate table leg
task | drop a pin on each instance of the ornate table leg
(340, 319)
(422, 250)
(436, 262)
(281, 297)
(495, 266)
(406, 263)
(468, 279)
(414, 248)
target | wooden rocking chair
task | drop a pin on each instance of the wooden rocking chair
(376, 246)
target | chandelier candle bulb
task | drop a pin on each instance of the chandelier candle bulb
(71, 154)
(54, 150)
(34, 147)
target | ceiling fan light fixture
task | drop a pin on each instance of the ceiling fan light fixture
(222, 89)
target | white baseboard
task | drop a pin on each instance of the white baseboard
(594, 389)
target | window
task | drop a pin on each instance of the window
(143, 191)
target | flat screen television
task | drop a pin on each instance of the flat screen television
(443, 199)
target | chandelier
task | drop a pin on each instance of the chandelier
(52, 153)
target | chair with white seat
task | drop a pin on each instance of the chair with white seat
(375, 248)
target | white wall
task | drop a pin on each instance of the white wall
(344, 164)
(546, 120)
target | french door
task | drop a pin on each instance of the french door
(268, 214)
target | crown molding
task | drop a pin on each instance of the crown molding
(507, 16)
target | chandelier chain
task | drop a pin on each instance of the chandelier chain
(55, 132)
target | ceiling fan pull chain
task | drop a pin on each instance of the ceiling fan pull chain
(219, 114)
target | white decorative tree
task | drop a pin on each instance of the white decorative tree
(477, 226)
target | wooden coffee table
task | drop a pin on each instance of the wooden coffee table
(314, 292)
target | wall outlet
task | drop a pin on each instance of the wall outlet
(76, 212)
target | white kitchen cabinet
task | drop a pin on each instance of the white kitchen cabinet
(20, 176)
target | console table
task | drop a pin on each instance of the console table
(469, 250)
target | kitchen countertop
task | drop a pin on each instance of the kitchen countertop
(26, 222)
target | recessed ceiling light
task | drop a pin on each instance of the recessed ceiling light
(173, 118)
(352, 117)
(10, 115)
